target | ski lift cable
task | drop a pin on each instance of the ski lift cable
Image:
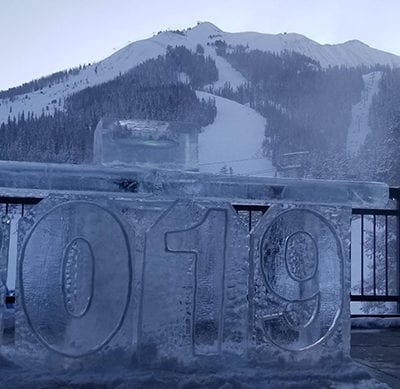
(272, 171)
(233, 160)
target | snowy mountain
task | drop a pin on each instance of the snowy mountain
(352, 53)
(233, 79)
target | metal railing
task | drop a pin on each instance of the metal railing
(15, 207)
(377, 257)
(379, 280)
(8, 202)
(250, 214)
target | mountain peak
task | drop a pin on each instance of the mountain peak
(207, 27)
(202, 31)
(355, 42)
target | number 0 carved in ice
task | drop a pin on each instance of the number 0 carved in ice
(75, 277)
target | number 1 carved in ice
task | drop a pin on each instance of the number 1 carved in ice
(206, 240)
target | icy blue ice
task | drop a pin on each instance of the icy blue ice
(156, 269)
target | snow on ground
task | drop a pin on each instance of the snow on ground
(234, 140)
(47, 100)
(345, 375)
(352, 53)
(226, 73)
(375, 322)
(359, 127)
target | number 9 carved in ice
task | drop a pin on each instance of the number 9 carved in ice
(302, 269)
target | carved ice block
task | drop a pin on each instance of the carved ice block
(195, 284)
(103, 277)
(41, 179)
(145, 142)
(301, 283)
(75, 272)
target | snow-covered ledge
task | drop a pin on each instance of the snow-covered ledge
(165, 275)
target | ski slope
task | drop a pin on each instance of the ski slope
(234, 140)
(359, 126)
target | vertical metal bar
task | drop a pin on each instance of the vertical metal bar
(250, 220)
(6, 208)
(22, 209)
(374, 258)
(397, 198)
(362, 255)
(386, 257)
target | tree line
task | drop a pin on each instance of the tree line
(40, 83)
(152, 90)
(308, 108)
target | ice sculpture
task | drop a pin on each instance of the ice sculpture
(170, 277)
(27, 179)
(200, 293)
(146, 142)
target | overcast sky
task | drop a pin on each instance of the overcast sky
(39, 37)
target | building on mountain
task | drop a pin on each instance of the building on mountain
(141, 142)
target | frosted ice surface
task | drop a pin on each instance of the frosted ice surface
(75, 277)
(301, 283)
(194, 284)
(181, 282)
(4, 239)
(146, 142)
(17, 176)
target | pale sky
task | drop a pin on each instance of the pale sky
(39, 37)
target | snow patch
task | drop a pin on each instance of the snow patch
(359, 126)
(226, 74)
(234, 140)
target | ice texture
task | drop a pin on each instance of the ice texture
(152, 281)
(146, 142)
(301, 282)
(41, 179)
(74, 281)
(195, 283)
(4, 239)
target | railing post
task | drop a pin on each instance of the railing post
(397, 198)
(394, 194)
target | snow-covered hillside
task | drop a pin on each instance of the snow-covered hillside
(351, 53)
(359, 127)
(234, 140)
